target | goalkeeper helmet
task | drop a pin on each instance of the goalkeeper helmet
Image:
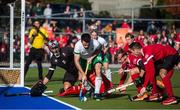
(54, 47)
(53, 44)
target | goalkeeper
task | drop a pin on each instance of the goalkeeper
(64, 58)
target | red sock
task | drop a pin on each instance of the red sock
(167, 82)
(123, 78)
(134, 76)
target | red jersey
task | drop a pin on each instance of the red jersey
(151, 54)
(133, 61)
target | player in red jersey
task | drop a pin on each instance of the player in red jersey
(135, 66)
(158, 59)
(129, 39)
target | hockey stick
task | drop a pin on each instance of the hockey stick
(124, 71)
(81, 96)
(24, 93)
(118, 88)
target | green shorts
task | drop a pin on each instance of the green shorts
(106, 58)
(97, 59)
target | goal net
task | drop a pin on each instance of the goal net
(12, 20)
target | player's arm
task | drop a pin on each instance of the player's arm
(78, 66)
(32, 35)
(141, 67)
(50, 73)
(105, 47)
(150, 73)
(44, 34)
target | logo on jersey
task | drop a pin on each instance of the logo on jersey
(84, 52)
(64, 61)
(134, 61)
(64, 54)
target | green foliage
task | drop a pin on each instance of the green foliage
(54, 1)
(104, 14)
(149, 12)
(85, 3)
(160, 2)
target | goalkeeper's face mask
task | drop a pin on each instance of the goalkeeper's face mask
(54, 48)
(56, 51)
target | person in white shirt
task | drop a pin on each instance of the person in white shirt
(87, 51)
(48, 12)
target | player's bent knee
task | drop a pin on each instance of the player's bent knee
(98, 67)
(67, 85)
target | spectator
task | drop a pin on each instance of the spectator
(125, 24)
(171, 39)
(16, 48)
(46, 24)
(62, 40)
(29, 9)
(37, 10)
(48, 12)
(3, 51)
(163, 38)
(151, 29)
(108, 28)
(67, 11)
(75, 14)
(81, 12)
(141, 36)
(68, 30)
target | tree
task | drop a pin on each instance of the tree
(173, 10)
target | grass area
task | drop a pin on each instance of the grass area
(115, 101)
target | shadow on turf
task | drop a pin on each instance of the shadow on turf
(116, 96)
(178, 99)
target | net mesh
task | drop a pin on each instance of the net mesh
(9, 77)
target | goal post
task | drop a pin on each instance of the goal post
(11, 71)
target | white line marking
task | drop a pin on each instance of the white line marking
(72, 106)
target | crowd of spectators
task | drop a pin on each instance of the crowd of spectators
(152, 35)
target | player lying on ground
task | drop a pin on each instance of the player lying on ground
(158, 59)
